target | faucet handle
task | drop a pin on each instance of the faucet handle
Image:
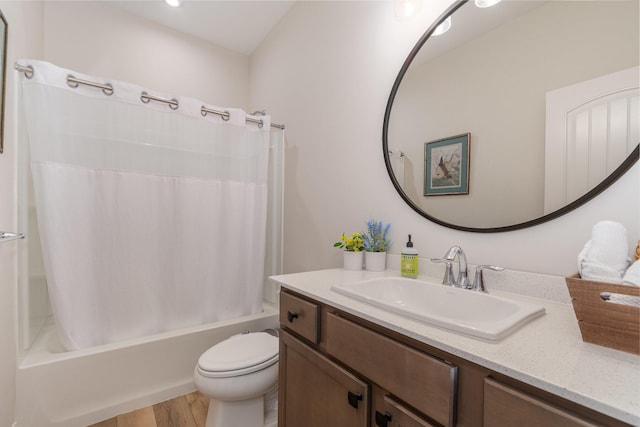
(478, 281)
(448, 278)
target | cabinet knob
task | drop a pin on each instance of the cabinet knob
(354, 398)
(291, 316)
(382, 419)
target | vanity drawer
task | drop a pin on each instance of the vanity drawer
(505, 406)
(424, 382)
(394, 414)
(300, 316)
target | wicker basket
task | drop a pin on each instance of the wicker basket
(603, 323)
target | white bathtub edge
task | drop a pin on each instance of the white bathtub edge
(83, 387)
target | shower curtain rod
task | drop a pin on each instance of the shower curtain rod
(144, 96)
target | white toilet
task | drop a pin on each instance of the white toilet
(240, 375)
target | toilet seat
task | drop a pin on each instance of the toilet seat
(239, 355)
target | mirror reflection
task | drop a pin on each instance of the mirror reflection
(548, 93)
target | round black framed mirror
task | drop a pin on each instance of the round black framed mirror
(508, 77)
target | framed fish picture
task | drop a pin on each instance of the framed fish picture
(446, 166)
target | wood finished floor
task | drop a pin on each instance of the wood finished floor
(189, 410)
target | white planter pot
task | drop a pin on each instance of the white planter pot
(375, 261)
(352, 260)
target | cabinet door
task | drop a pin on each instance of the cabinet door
(390, 413)
(315, 392)
(505, 407)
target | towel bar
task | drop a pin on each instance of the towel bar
(6, 236)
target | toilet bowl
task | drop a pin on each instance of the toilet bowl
(240, 375)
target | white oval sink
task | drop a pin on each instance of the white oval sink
(472, 313)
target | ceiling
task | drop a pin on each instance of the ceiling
(470, 22)
(238, 25)
(241, 25)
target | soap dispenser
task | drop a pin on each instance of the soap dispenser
(409, 261)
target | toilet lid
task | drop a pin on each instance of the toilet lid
(240, 355)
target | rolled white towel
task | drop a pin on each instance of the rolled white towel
(584, 253)
(605, 256)
(609, 245)
(593, 270)
(632, 275)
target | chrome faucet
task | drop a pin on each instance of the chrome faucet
(478, 281)
(462, 280)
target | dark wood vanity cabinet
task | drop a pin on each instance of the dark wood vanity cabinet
(391, 413)
(316, 392)
(340, 370)
(423, 382)
(336, 372)
(313, 390)
(505, 405)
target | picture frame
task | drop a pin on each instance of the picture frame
(446, 166)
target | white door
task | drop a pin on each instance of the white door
(591, 127)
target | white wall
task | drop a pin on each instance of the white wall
(97, 39)
(326, 72)
(24, 40)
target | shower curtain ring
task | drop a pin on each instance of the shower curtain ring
(108, 91)
(26, 69)
(172, 103)
(74, 82)
(224, 114)
(6, 236)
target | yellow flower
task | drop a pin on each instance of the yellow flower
(351, 243)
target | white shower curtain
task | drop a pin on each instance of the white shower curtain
(151, 219)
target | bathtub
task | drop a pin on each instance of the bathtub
(77, 388)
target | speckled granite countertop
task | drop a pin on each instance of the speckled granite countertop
(547, 353)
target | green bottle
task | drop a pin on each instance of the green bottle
(409, 261)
